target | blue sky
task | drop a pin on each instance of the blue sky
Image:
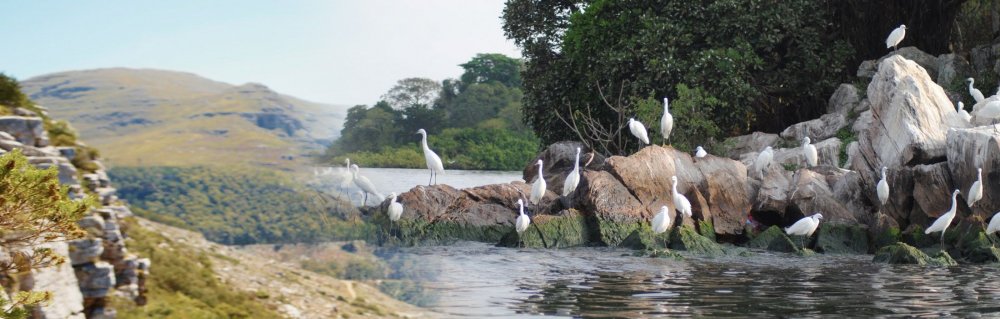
(339, 52)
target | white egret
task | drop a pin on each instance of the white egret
(994, 224)
(941, 224)
(989, 111)
(895, 37)
(883, 188)
(573, 178)
(363, 183)
(433, 161)
(638, 130)
(661, 222)
(342, 177)
(962, 113)
(976, 191)
(763, 161)
(805, 227)
(700, 152)
(976, 94)
(812, 157)
(395, 208)
(681, 203)
(667, 121)
(522, 222)
(538, 188)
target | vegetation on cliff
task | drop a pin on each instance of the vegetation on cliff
(34, 209)
(473, 122)
(236, 205)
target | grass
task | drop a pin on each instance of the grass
(846, 136)
(182, 283)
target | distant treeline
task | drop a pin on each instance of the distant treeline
(473, 122)
(235, 205)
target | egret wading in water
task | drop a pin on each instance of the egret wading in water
(812, 157)
(882, 190)
(941, 224)
(681, 203)
(763, 161)
(804, 227)
(895, 37)
(538, 188)
(573, 178)
(990, 111)
(667, 121)
(962, 113)
(976, 94)
(661, 222)
(522, 222)
(363, 183)
(976, 191)
(638, 130)
(700, 152)
(395, 210)
(433, 161)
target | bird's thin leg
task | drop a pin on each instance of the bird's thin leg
(942, 239)
(429, 180)
(365, 203)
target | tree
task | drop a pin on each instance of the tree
(412, 91)
(480, 102)
(10, 92)
(492, 67)
(34, 209)
(768, 67)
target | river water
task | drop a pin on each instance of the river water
(476, 280)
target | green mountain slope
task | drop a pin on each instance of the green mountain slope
(156, 117)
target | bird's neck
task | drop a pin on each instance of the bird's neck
(954, 203)
(576, 165)
(423, 141)
(539, 170)
(675, 188)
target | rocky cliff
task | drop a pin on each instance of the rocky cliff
(903, 120)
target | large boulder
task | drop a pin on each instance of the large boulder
(811, 194)
(27, 130)
(773, 239)
(967, 150)
(824, 127)
(901, 253)
(734, 147)
(558, 160)
(843, 100)
(96, 279)
(952, 68)
(567, 229)
(616, 213)
(67, 301)
(725, 185)
(828, 152)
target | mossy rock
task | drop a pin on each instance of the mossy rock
(661, 253)
(888, 237)
(687, 239)
(549, 231)
(806, 252)
(613, 233)
(411, 232)
(644, 238)
(705, 228)
(901, 253)
(773, 239)
(842, 239)
(916, 237)
(978, 248)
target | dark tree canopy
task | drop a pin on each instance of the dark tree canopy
(412, 91)
(492, 67)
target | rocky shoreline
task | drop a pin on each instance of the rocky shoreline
(904, 120)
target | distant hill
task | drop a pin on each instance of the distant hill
(155, 117)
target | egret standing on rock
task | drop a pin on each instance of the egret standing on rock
(976, 94)
(681, 203)
(805, 226)
(433, 161)
(976, 191)
(882, 189)
(661, 222)
(522, 220)
(638, 130)
(763, 161)
(363, 183)
(700, 152)
(667, 121)
(812, 157)
(538, 188)
(573, 178)
(962, 113)
(395, 209)
(895, 37)
(941, 224)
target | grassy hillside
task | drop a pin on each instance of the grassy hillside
(236, 205)
(155, 117)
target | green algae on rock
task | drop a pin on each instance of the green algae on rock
(901, 253)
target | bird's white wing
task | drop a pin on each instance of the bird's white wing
(800, 227)
(883, 191)
(661, 222)
(522, 223)
(572, 180)
(682, 204)
(994, 224)
(939, 224)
